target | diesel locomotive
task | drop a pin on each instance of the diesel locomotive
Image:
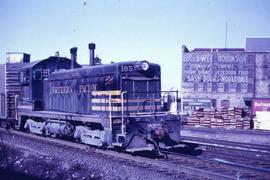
(117, 105)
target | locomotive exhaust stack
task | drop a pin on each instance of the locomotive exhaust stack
(73, 53)
(92, 48)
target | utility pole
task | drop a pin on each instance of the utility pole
(226, 34)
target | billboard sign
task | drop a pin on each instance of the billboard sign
(260, 105)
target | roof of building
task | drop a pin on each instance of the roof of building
(186, 50)
(258, 44)
(218, 49)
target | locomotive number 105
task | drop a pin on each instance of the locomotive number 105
(127, 68)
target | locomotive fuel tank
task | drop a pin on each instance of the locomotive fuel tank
(62, 128)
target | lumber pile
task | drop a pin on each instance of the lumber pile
(228, 118)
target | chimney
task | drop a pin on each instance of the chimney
(92, 48)
(73, 53)
(57, 54)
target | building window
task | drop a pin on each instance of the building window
(214, 87)
(238, 87)
(196, 87)
(226, 87)
(250, 88)
(205, 87)
(225, 103)
(251, 73)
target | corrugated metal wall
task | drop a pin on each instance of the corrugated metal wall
(12, 88)
(2, 90)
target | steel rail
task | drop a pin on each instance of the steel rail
(222, 161)
(227, 144)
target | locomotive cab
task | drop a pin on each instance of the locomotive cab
(31, 78)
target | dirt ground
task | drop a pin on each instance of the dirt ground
(20, 164)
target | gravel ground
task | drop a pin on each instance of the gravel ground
(36, 159)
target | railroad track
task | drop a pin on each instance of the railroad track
(219, 164)
(176, 163)
(226, 144)
(252, 160)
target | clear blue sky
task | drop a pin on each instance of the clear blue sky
(152, 30)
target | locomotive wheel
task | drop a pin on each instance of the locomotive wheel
(3, 124)
(27, 129)
(46, 132)
(119, 149)
(103, 147)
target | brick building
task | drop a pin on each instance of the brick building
(228, 77)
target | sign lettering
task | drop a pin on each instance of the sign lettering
(223, 68)
(83, 88)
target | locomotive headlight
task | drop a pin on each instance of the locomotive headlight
(145, 65)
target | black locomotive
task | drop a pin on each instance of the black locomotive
(113, 105)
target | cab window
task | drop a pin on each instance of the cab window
(37, 74)
(24, 76)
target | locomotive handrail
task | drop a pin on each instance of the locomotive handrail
(21, 100)
(16, 107)
(150, 101)
(163, 97)
(155, 98)
(122, 111)
(110, 111)
(153, 101)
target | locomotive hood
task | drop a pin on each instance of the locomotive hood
(98, 70)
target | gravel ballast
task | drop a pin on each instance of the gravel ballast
(38, 159)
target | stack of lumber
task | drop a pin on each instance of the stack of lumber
(228, 118)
